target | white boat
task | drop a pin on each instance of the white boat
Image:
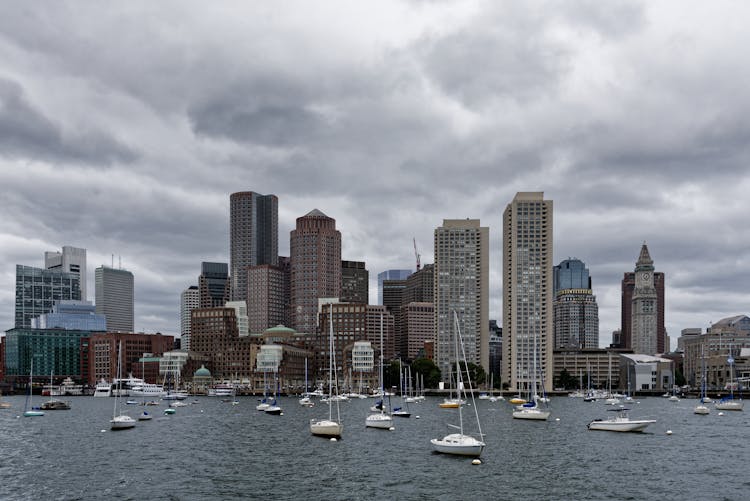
(531, 410)
(143, 389)
(263, 405)
(329, 427)
(305, 400)
(221, 390)
(29, 410)
(380, 419)
(729, 403)
(120, 421)
(273, 407)
(620, 422)
(145, 416)
(103, 389)
(460, 443)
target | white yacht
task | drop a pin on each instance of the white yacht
(620, 422)
(103, 389)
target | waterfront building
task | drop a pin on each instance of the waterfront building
(70, 260)
(315, 261)
(171, 365)
(75, 315)
(646, 372)
(643, 325)
(268, 295)
(37, 290)
(725, 339)
(355, 282)
(656, 279)
(280, 362)
(528, 335)
(589, 367)
(253, 236)
(390, 275)
(55, 351)
(461, 276)
(240, 313)
(189, 300)
(214, 335)
(576, 313)
(101, 359)
(114, 297)
(213, 285)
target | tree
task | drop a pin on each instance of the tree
(428, 370)
(476, 373)
(565, 380)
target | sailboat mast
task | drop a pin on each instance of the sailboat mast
(382, 385)
(458, 375)
(330, 360)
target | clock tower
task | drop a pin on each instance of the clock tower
(644, 306)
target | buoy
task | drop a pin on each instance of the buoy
(281, 414)
(333, 439)
(721, 414)
(557, 419)
(417, 417)
(391, 428)
(669, 432)
(103, 431)
(477, 461)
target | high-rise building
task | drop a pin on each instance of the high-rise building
(576, 313)
(355, 282)
(213, 285)
(415, 324)
(240, 313)
(38, 289)
(268, 296)
(393, 294)
(496, 354)
(114, 297)
(253, 236)
(189, 300)
(626, 311)
(527, 292)
(315, 261)
(214, 334)
(461, 288)
(73, 315)
(644, 331)
(71, 260)
(390, 275)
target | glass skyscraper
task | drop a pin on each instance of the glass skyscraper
(37, 290)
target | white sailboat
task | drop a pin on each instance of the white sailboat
(460, 443)
(306, 401)
(701, 408)
(380, 419)
(531, 410)
(273, 406)
(729, 403)
(401, 411)
(121, 421)
(263, 405)
(329, 427)
(611, 399)
(29, 410)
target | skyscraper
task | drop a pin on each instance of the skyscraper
(70, 260)
(390, 275)
(626, 309)
(644, 331)
(355, 282)
(527, 291)
(213, 285)
(315, 261)
(38, 289)
(461, 274)
(576, 313)
(253, 236)
(114, 297)
(189, 300)
(268, 296)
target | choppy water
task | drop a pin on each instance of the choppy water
(213, 450)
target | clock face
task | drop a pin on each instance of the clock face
(645, 276)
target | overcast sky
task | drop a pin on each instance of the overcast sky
(125, 126)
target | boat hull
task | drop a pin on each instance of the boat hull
(729, 406)
(621, 425)
(459, 445)
(531, 414)
(33, 414)
(274, 410)
(122, 423)
(326, 428)
(381, 421)
(701, 409)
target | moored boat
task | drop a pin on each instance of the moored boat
(620, 422)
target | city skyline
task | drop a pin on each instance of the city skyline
(631, 119)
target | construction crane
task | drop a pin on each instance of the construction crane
(416, 253)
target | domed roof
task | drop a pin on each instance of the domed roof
(280, 329)
(202, 372)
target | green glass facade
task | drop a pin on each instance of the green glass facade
(55, 351)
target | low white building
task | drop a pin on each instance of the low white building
(646, 372)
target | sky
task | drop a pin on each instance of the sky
(124, 128)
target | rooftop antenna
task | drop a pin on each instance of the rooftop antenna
(113, 261)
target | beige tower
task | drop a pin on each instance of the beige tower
(527, 291)
(461, 278)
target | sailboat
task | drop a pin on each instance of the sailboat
(273, 407)
(263, 405)
(701, 408)
(29, 410)
(460, 443)
(400, 411)
(381, 419)
(306, 401)
(145, 416)
(673, 397)
(328, 427)
(121, 421)
(611, 399)
(531, 410)
(729, 403)
(452, 402)
(54, 404)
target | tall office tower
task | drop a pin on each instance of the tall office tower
(462, 286)
(576, 313)
(415, 324)
(268, 296)
(315, 262)
(190, 299)
(213, 285)
(114, 297)
(393, 294)
(71, 260)
(643, 325)
(626, 310)
(253, 236)
(355, 282)
(496, 353)
(527, 291)
(390, 275)
(420, 286)
(38, 289)
(240, 313)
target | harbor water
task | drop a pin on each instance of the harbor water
(215, 450)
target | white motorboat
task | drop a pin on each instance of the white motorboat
(306, 401)
(729, 404)
(620, 422)
(103, 389)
